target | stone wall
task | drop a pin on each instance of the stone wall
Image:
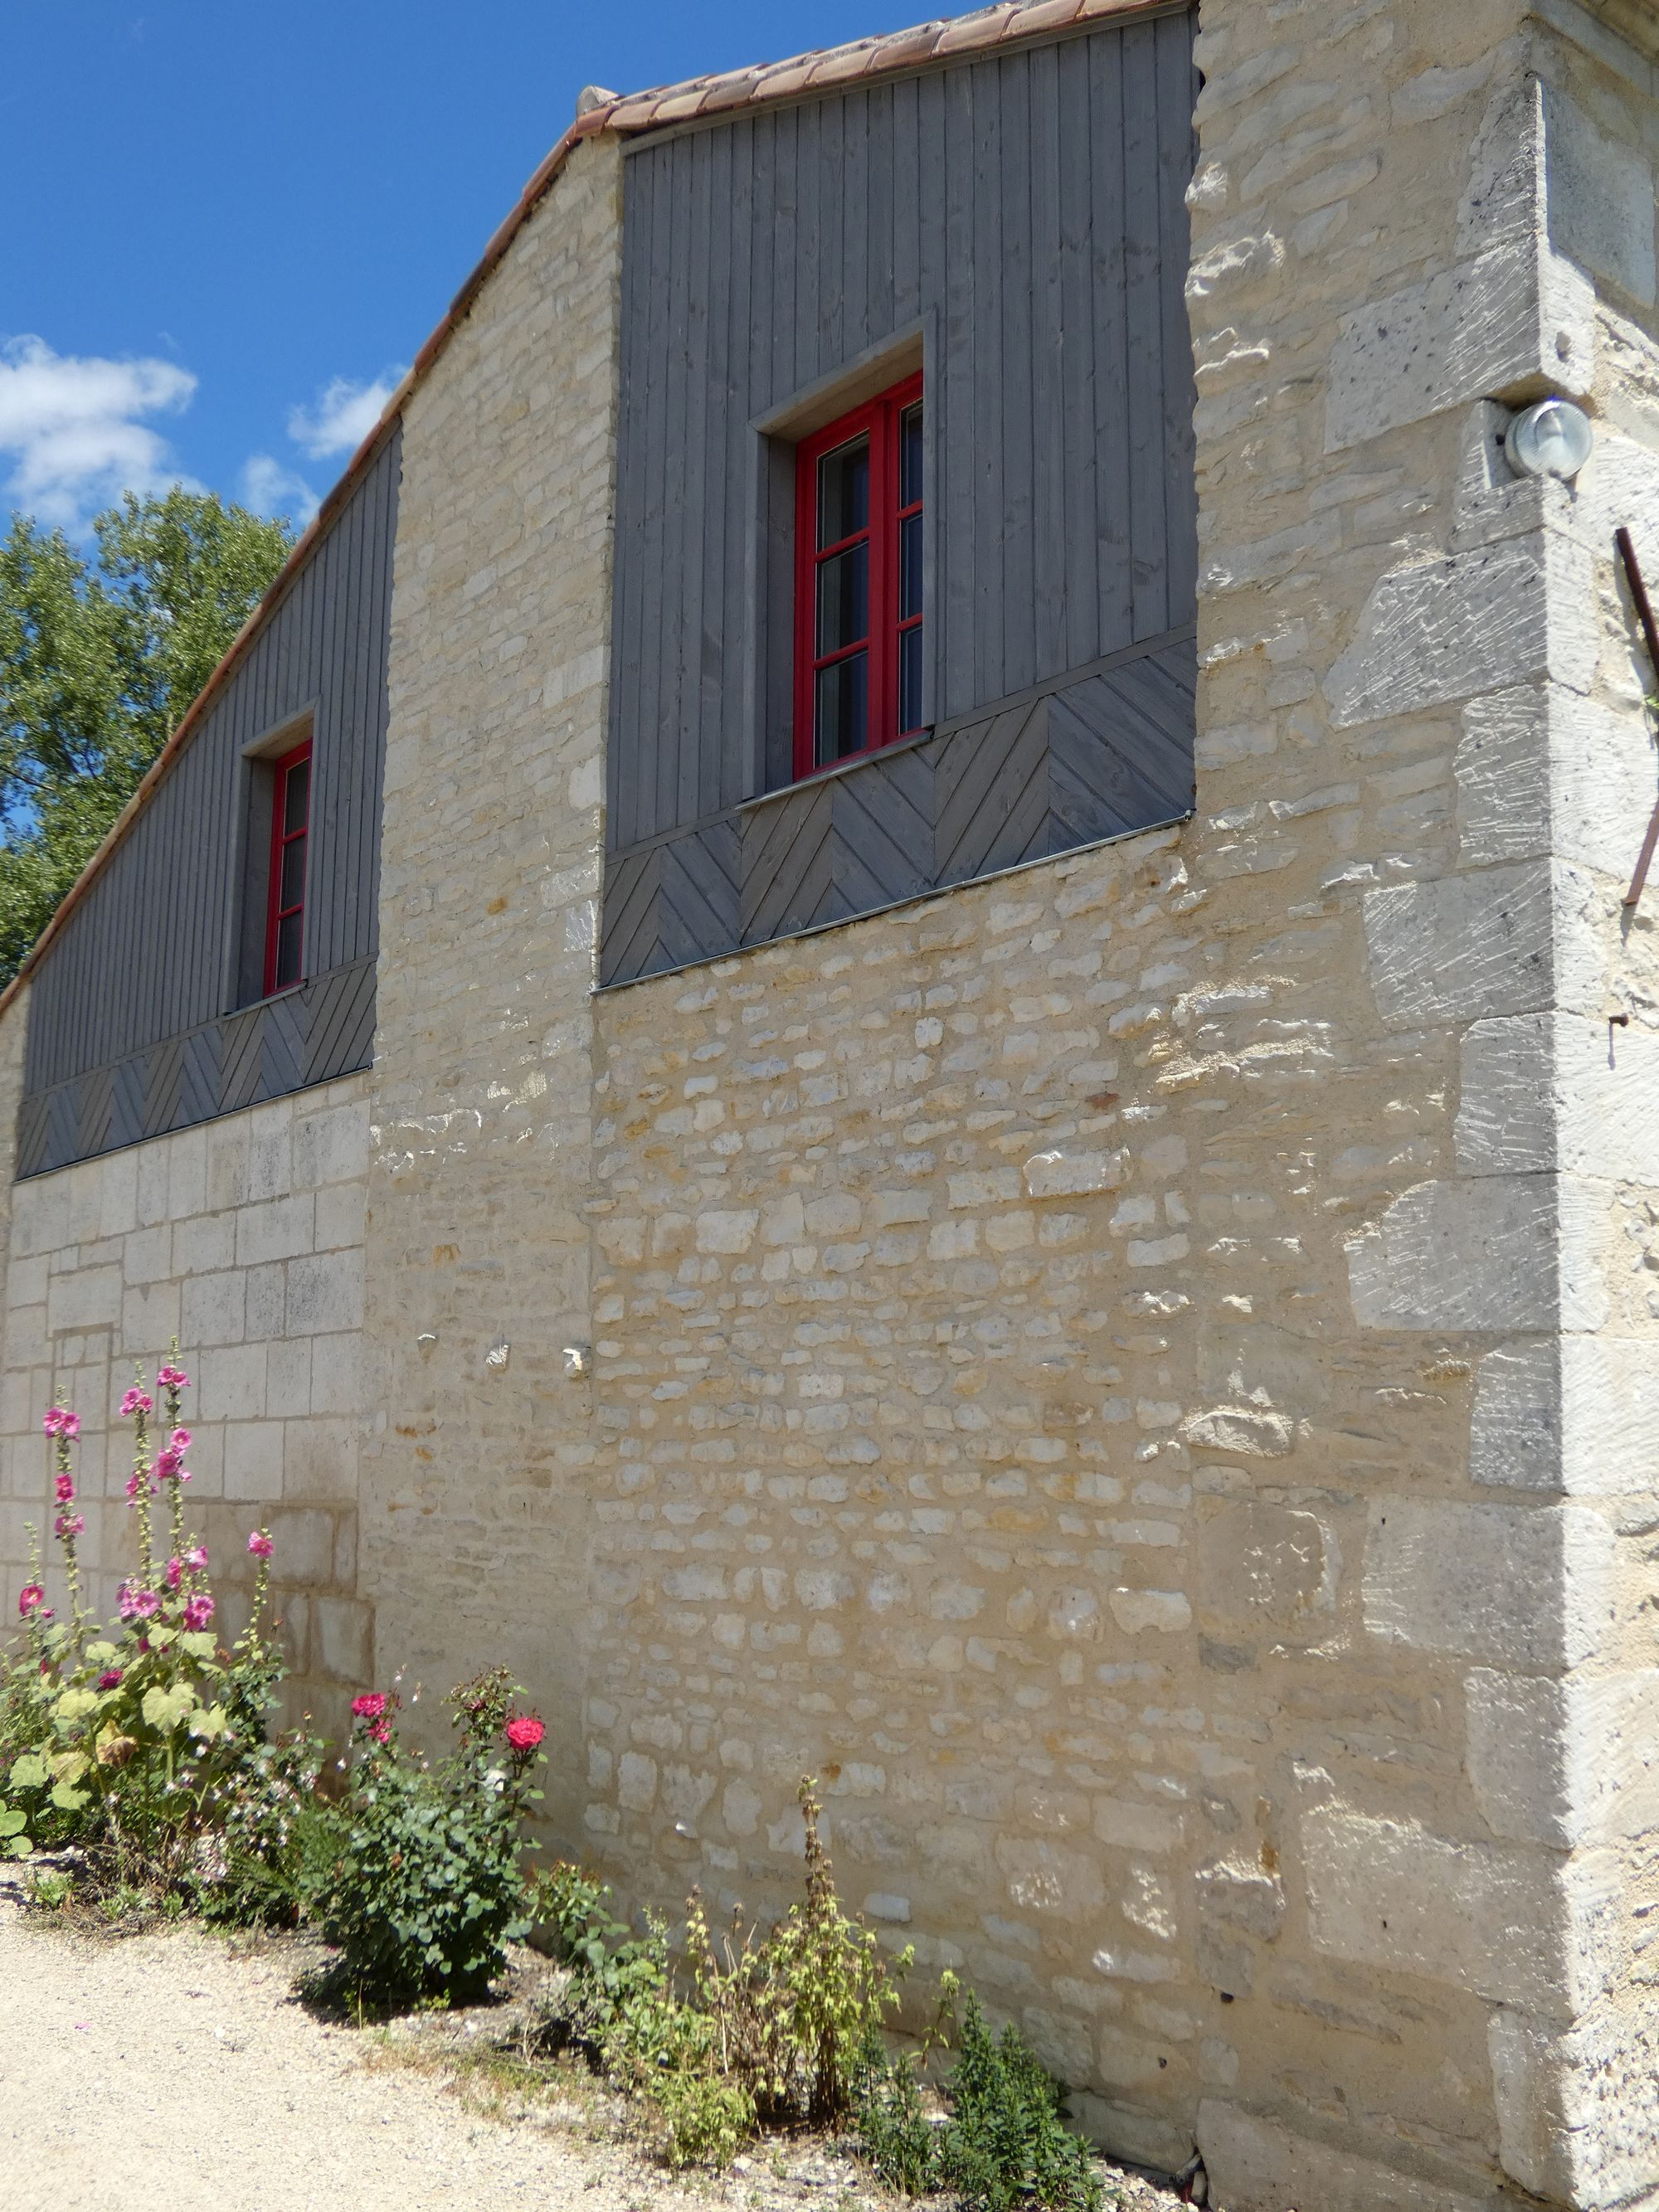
(477, 1472)
(242, 1239)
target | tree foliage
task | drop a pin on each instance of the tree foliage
(100, 656)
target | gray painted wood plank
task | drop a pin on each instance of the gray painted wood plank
(1019, 377)
(1143, 321)
(1176, 99)
(1113, 555)
(1049, 417)
(987, 525)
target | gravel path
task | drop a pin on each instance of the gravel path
(178, 2068)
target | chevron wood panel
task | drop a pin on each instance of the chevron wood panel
(94, 1109)
(993, 784)
(628, 945)
(698, 900)
(883, 822)
(32, 1117)
(162, 1077)
(127, 1096)
(324, 1029)
(787, 879)
(340, 1023)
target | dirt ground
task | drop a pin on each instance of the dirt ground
(179, 2067)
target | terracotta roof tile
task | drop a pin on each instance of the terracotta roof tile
(650, 110)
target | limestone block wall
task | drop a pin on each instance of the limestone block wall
(242, 1239)
(477, 1473)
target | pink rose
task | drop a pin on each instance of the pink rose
(370, 1706)
(525, 1731)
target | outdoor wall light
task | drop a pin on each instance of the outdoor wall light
(1554, 439)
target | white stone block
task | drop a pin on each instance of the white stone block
(1484, 327)
(278, 1230)
(1564, 1762)
(1495, 941)
(1528, 1587)
(1496, 1252)
(1540, 770)
(1481, 621)
(1514, 1925)
(1062, 1174)
(1255, 2164)
(1578, 2107)
(325, 1294)
(1577, 1414)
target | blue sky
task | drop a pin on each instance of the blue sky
(224, 226)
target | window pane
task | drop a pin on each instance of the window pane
(294, 874)
(294, 796)
(910, 455)
(844, 492)
(841, 718)
(909, 568)
(288, 951)
(844, 598)
(910, 680)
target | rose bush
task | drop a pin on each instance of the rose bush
(426, 1884)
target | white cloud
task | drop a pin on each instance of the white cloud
(72, 427)
(343, 416)
(269, 488)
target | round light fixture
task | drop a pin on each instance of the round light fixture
(1554, 439)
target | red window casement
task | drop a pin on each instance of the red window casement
(290, 820)
(858, 581)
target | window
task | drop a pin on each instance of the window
(859, 581)
(290, 820)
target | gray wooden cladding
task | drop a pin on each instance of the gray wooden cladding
(1075, 765)
(1027, 212)
(148, 958)
(325, 1029)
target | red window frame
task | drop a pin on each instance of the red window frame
(281, 838)
(880, 420)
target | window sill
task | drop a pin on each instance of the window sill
(840, 769)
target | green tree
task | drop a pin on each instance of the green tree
(100, 658)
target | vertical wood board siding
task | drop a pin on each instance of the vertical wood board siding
(145, 956)
(1030, 208)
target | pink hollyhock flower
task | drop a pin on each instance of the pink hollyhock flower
(175, 1573)
(199, 1610)
(136, 1401)
(135, 1604)
(136, 1482)
(167, 1464)
(196, 1557)
(172, 1378)
(60, 1422)
(111, 1678)
(179, 1442)
(68, 1524)
(30, 1599)
(525, 1731)
(370, 1706)
(65, 1488)
(260, 1545)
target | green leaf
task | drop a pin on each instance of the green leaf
(100, 1655)
(210, 1722)
(160, 1638)
(16, 1847)
(164, 1709)
(74, 1706)
(67, 1799)
(29, 1772)
(13, 1820)
(200, 1643)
